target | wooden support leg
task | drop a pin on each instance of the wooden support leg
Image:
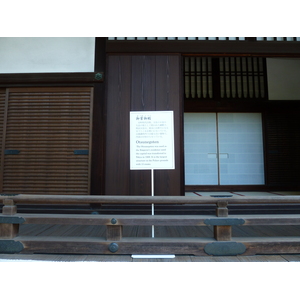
(9, 207)
(222, 210)
(114, 232)
(222, 233)
(9, 231)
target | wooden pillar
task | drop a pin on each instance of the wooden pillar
(222, 233)
(98, 138)
(9, 231)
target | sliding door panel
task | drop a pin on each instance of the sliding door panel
(240, 148)
(200, 142)
(223, 149)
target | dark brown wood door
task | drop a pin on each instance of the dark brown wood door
(46, 143)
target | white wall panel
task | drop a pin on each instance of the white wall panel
(46, 54)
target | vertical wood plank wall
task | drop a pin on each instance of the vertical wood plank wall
(45, 126)
(141, 83)
(283, 148)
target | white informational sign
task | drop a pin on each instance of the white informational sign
(151, 140)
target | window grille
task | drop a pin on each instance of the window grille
(225, 78)
(242, 78)
(198, 77)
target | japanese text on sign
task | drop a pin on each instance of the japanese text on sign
(151, 140)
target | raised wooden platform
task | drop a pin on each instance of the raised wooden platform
(110, 234)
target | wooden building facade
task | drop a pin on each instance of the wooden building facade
(65, 103)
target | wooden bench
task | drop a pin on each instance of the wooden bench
(222, 242)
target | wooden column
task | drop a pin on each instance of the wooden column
(9, 231)
(98, 131)
(222, 233)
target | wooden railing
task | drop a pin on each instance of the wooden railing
(221, 243)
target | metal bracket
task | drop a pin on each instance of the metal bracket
(224, 221)
(11, 152)
(10, 247)
(99, 76)
(224, 248)
(81, 152)
(11, 220)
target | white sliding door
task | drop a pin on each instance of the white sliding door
(223, 148)
(200, 149)
(240, 148)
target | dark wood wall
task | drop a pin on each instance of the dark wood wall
(141, 83)
(282, 136)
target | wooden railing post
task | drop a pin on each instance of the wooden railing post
(7, 230)
(114, 232)
(222, 233)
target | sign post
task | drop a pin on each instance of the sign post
(152, 145)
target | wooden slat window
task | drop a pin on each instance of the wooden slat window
(45, 129)
(242, 78)
(231, 78)
(198, 77)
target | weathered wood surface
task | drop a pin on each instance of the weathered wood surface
(8, 231)
(189, 246)
(114, 233)
(107, 199)
(128, 258)
(147, 220)
(127, 220)
(113, 239)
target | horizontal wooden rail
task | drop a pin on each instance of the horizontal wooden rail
(221, 243)
(91, 199)
(148, 220)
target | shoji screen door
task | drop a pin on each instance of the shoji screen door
(223, 149)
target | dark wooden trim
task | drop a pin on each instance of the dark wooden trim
(34, 79)
(99, 123)
(100, 50)
(261, 48)
(241, 105)
(231, 188)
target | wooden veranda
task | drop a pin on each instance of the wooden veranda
(199, 234)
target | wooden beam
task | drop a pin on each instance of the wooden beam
(43, 79)
(109, 199)
(257, 48)
(191, 246)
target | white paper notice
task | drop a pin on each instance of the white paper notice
(151, 140)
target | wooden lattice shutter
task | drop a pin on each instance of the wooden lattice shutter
(48, 140)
